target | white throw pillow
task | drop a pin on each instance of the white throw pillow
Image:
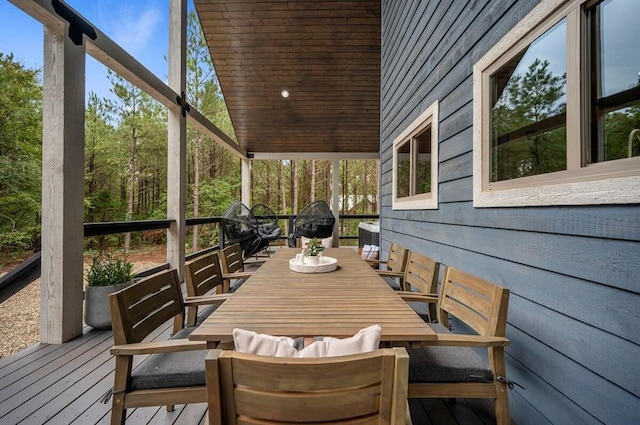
(366, 340)
(262, 344)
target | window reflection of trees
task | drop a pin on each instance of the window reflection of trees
(528, 122)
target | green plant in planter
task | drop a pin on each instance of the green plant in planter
(315, 246)
(106, 274)
(109, 271)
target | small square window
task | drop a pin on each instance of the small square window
(415, 163)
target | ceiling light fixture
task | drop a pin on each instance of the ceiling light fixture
(284, 93)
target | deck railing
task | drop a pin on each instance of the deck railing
(29, 270)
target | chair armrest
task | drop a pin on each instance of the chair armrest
(170, 346)
(237, 275)
(207, 299)
(374, 261)
(388, 273)
(459, 340)
(411, 296)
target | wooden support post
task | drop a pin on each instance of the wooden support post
(246, 182)
(177, 137)
(335, 200)
(63, 106)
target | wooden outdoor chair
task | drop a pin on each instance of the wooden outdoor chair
(450, 367)
(173, 372)
(205, 286)
(232, 266)
(421, 277)
(395, 263)
(369, 388)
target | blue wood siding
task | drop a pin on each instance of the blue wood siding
(573, 272)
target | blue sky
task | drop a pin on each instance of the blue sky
(138, 26)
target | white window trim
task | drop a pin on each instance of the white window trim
(601, 183)
(423, 201)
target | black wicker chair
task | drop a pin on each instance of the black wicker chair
(316, 220)
(239, 227)
(266, 222)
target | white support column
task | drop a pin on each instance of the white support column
(62, 187)
(246, 182)
(177, 137)
(335, 200)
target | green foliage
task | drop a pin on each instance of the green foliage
(622, 133)
(106, 270)
(25, 239)
(217, 195)
(20, 154)
(315, 247)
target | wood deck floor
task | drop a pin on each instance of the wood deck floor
(63, 384)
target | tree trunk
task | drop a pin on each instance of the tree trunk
(294, 183)
(281, 192)
(313, 180)
(132, 189)
(196, 188)
(345, 170)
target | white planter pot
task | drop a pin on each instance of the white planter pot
(96, 304)
(313, 260)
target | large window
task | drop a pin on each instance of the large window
(558, 121)
(415, 163)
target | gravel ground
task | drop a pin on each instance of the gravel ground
(20, 320)
(20, 314)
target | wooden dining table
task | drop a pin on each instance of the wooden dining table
(278, 301)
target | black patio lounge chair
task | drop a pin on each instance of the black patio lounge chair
(239, 227)
(266, 222)
(316, 220)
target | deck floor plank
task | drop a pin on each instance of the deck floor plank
(36, 360)
(57, 375)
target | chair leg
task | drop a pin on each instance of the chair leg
(502, 407)
(122, 374)
(192, 315)
(118, 414)
(496, 359)
(226, 286)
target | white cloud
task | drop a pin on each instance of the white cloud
(135, 30)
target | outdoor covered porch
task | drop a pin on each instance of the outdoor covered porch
(331, 90)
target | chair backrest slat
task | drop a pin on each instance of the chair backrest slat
(397, 259)
(231, 259)
(421, 273)
(478, 303)
(203, 275)
(139, 309)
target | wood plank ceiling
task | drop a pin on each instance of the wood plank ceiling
(325, 53)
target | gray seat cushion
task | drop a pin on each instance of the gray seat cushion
(446, 364)
(183, 369)
(165, 370)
